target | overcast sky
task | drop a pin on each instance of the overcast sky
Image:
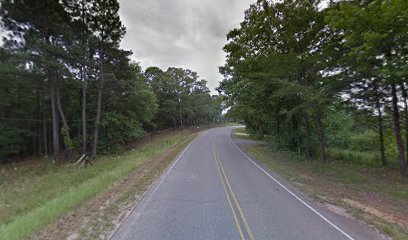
(181, 33)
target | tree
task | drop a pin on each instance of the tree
(106, 25)
(279, 54)
(40, 30)
(182, 97)
(52, 50)
(376, 43)
(82, 52)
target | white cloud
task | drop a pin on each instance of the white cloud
(181, 33)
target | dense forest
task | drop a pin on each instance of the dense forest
(324, 80)
(67, 87)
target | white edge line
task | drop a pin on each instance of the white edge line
(156, 186)
(294, 195)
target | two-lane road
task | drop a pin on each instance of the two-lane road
(214, 191)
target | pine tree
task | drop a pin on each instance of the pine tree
(106, 25)
(39, 28)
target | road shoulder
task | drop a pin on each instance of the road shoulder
(98, 217)
(303, 184)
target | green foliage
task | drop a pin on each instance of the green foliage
(311, 77)
(274, 77)
(120, 129)
(67, 141)
(365, 142)
(367, 158)
(183, 99)
(10, 139)
(339, 128)
(374, 40)
(60, 57)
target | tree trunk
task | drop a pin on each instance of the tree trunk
(38, 145)
(380, 127)
(44, 125)
(181, 115)
(84, 131)
(307, 137)
(404, 95)
(99, 106)
(277, 122)
(66, 136)
(320, 132)
(45, 133)
(84, 77)
(297, 132)
(397, 131)
(55, 127)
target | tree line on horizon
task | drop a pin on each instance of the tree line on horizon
(67, 87)
(323, 80)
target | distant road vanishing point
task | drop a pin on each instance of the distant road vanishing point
(213, 190)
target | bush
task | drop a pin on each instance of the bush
(366, 141)
(282, 142)
(338, 125)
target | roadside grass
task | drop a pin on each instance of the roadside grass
(231, 124)
(356, 157)
(243, 133)
(337, 181)
(242, 130)
(33, 196)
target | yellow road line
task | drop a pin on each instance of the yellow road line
(228, 198)
(251, 236)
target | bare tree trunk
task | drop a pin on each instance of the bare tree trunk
(44, 125)
(397, 131)
(45, 133)
(320, 132)
(307, 137)
(99, 106)
(297, 132)
(380, 127)
(404, 95)
(181, 115)
(84, 131)
(55, 127)
(277, 122)
(38, 145)
(67, 138)
(84, 78)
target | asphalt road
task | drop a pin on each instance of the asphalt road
(214, 191)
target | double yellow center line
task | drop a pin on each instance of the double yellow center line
(230, 194)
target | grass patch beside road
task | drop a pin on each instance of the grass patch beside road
(241, 130)
(33, 196)
(376, 195)
(243, 133)
(356, 157)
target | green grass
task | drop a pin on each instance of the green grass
(243, 133)
(341, 179)
(356, 157)
(378, 179)
(241, 130)
(232, 124)
(32, 198)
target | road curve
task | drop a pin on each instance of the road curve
(214, 191)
